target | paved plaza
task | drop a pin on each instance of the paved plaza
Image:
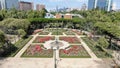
(49, 63)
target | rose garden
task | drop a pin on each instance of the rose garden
(75, 49)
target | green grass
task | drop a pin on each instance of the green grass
(69, 33)
(43, 33)
(52, 30)
(20, 44)
(92, 45)
(57, 33)
(75, 56)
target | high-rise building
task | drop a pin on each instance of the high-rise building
(0, 5)
(25, 5)
(100, 4)
(7, 4)
(40, 7)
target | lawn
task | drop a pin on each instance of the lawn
(69, 33)
(57, 33)
(51, 30)
(43, 33)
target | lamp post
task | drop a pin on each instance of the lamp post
(55, 48)
(55, 63)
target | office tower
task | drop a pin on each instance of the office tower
(8, 4)
(100, 4)
(25, 5)
(40, 7)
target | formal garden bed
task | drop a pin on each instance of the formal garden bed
(42, 39)
(43, 33)
(38, 51)
(69, 33)
(77, 32)
(97, 50)
(71, 40)
(57, 33)
(55, 29)
(37, 31)
(75, 51)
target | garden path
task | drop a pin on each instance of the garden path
(90, 52)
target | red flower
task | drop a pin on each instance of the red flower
(38, 48)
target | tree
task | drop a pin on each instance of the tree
(103, 42)
(1, 18)
(21, 33)
(2, 38)
(110, 29)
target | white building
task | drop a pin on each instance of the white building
(49, 15)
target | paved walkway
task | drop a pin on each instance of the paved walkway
(18, 55)
(49, 63)
(90, 52)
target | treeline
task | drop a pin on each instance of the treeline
(13, 13)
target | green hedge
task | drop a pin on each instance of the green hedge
(20, 44)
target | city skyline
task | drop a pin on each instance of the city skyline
(51, 4)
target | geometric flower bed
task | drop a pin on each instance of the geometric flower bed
(42, 39)
(76, 51)
(77, 32)
(57, 33)
(37, 31)
(72, 40)
(38, 51)
(43, 33)
(69, 33)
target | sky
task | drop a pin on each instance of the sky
(51, 4)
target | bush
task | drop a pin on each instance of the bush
(103, 42)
